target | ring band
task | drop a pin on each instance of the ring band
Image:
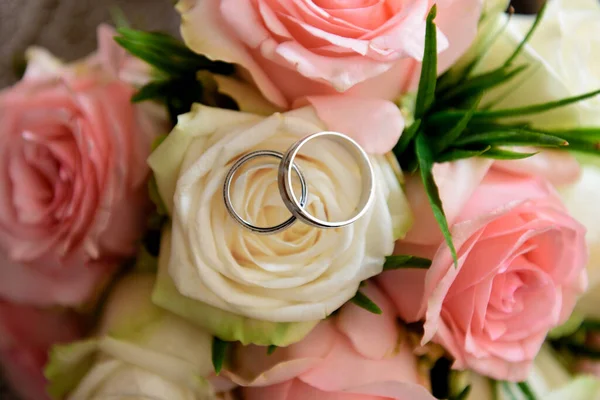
(297, 207)
(227, 193)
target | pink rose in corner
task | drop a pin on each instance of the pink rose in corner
(295, 48)
(520, 269)
(355, 355)
(26, 336)
(73, 195)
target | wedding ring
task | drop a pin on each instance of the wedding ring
(227, 193)
(296, 207)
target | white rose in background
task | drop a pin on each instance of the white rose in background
(582, 200)
(562, 62)
(549, 380)
(302, 274)
(561, 59)
(140, 352)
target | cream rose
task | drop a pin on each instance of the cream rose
(304, 273)
(138, 352)
(561, 59)
(582, 200)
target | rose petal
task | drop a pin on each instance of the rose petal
(373, 336)
(558, 167)
(375, 124)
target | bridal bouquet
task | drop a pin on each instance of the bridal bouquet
(333, 200)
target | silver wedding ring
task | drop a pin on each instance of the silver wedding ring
(227, 193)
(285, 181)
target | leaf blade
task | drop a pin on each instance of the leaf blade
(361, 300)
(406, 138)
(445, 117)
(501, 154)
(534, 26)
(461, 154)
(405, 261)
(512, 137)
(425, 160)
(428, 79)
(219, 353)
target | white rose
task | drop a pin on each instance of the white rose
(140, 352)
(582, 199)
(562, 60)
(549, 380)
(302, 274)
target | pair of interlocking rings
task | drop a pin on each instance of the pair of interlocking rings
(285, 180)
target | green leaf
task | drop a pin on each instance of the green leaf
(464, 395)
(460, 154)
(478, 84)
(485, 49)
(428, 79)
(501, 154)
(513, 137)
(151, 91)
(580, 139)
(400, 262)
(528, 36)
(425, 159)
(526, 390)
(168, 54)
(406, 138)
(508, 389)
(271, 349)
(591, 325)
(361, 300)
(446, 117)
(457, 130)
(219, 353)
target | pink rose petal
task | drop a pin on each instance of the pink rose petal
(375, 124)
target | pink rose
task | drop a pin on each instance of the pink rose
(295, 48)
(73, 196)
(520, 269)
(353, 356)
(557, 166)
(26, 336)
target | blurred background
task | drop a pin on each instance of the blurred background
(68, 29)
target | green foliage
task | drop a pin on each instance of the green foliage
(451, 124)
(516, 391)
(401, 262)
(454, 125)
(361, 300)
(219, 353)
(178, 82)
(464, 395)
